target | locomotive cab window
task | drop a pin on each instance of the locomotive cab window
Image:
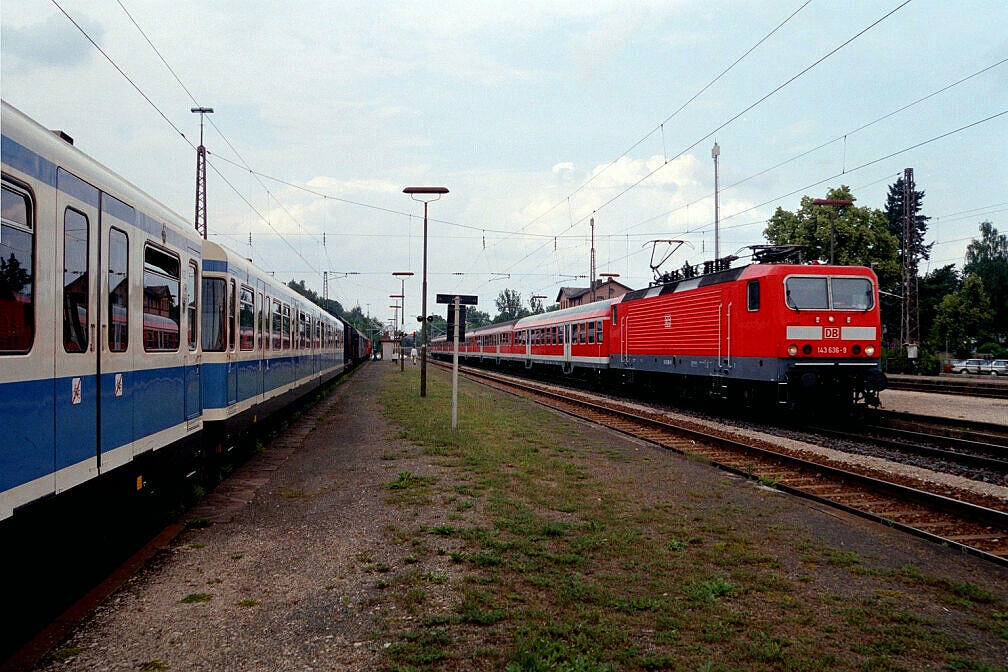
(161, 307)
(752, 295)
(17, 242)
(806, 293)
(852, 293)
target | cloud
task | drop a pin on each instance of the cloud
(55, 42)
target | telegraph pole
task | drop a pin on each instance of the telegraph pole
(911, 330)
(201, 218)
(715, 153)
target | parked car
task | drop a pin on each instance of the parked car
(999, 367)
(973, 366)
(952, 365)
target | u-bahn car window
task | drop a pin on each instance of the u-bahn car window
(17, 303)
(246, 319)
(214, 290)
(852, 293)
(232, 300)
(118, 291)
(75, 281)
(286, 327)
(752, 295)
(161, 300)
(277, 322)
(192, 300)
(806, 293)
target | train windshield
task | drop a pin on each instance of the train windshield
(825, 293)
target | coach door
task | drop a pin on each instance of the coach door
(566, 335)
(116, 353)
(77, 387)
(232, 355)
(190, 298)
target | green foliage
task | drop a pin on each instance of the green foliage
(861, 236)
(987, 258)
(961, 317)
(509, 306)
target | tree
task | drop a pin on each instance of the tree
(894, 212)
(509, 306)
(536, 305)
(961, 317)
(931, 290)
(861, 235)
(987, 258)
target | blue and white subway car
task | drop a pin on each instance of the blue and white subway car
(99, 349)
(263, 344)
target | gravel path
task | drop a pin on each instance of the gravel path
(291, 580)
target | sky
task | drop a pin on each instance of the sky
(539, 117)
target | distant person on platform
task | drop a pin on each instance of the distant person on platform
(413, 354)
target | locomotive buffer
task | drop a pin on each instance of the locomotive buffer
(456, 331)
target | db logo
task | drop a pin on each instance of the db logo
(831, 332)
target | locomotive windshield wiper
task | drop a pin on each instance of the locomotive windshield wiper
(790, 303)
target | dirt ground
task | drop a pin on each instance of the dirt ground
(291, 580)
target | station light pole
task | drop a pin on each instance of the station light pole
(838, 202)
(425, 195)
(402, 275)
(400, 316)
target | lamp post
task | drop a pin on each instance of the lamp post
(399, 318)
(402, 275)
(831, 201)
(431, 194)
(609, 277)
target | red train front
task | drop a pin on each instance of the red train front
(797, 332)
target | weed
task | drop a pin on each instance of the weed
(195, 598)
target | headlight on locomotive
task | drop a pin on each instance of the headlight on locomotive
(792, 350)
(869, 350)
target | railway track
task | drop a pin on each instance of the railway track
(931, 514)
(974, 386)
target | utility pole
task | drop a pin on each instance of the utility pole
(201, 217)
(715, 153)
(591, 271)
(910, 327)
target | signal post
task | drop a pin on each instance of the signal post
(456, 332)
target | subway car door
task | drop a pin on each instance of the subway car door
(77, 384)
(116, 352)
(232, 355)
(192, 357)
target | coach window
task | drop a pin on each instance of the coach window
(598, 331)
(232, 300)
(161, 300)
(260, 324)
(212, 312)
(246, 319)
(75, 281)
(286, 327)
(752, 295)
(192, 300)
(277, 322)
(591, 333)
(614, 316)
(581, 337)
(17, 303)
(118, 292)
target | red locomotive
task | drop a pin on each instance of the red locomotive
(787, 332)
